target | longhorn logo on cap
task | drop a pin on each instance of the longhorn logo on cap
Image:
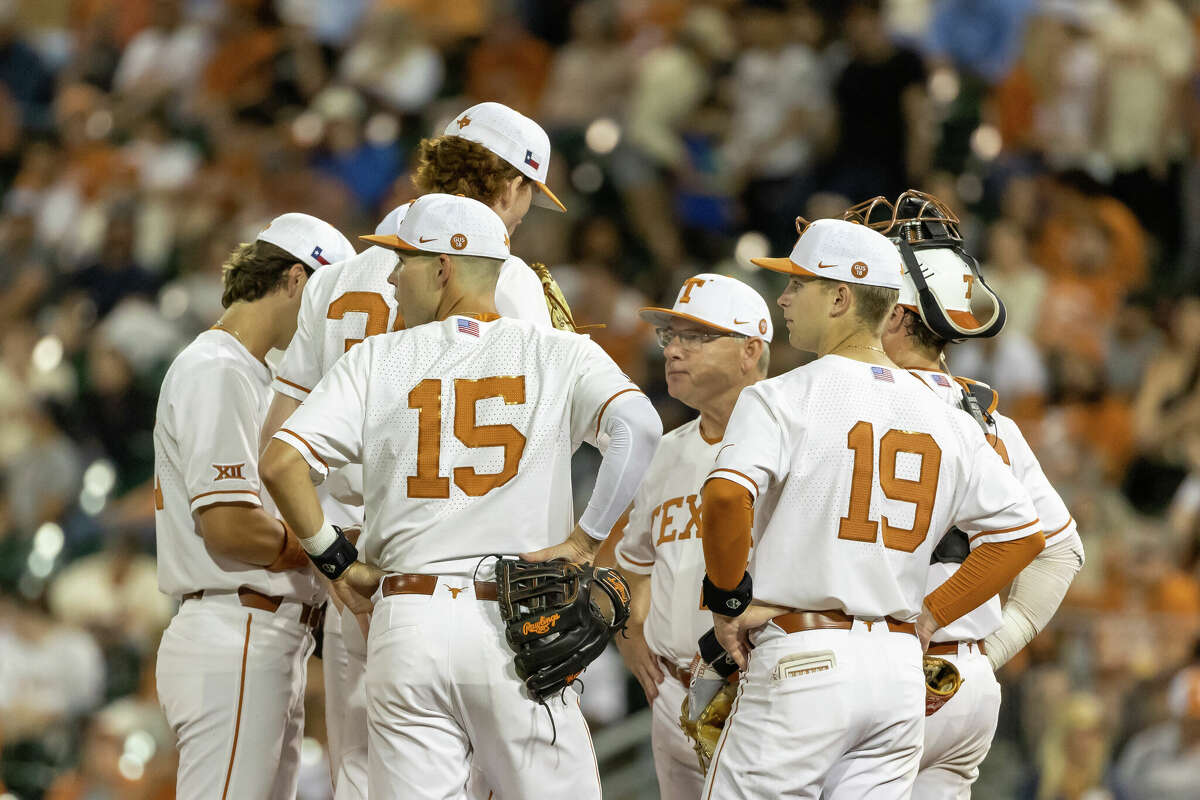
(464, 122)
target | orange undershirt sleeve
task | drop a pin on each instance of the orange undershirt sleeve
(988, 569)
(726, 519)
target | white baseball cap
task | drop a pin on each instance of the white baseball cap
(719, 302)
(448, 223)
(952, 283)
(312, 241)
(841, 251)
(514, 137)
(388, 224)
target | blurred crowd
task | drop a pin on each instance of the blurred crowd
(141, 140)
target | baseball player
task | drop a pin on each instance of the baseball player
(944, 298)
(850, 476)
(353, 300)
(715, 341)
(231, 665)
(465, 428)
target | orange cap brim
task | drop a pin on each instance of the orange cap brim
(544, 189)
(394, 242)
(655, 315)
(784, 265)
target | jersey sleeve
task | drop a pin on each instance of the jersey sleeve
(327, 428)
(519, 293)
(635, 551)
(301, 366)
(598, 382)
(217, 412)
(993, 505)
(1057, 522)
(753, 452)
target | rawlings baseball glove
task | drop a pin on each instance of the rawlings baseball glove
(705, 730)
(560, 313)
(709, 697)
(942, 680)
(558, 618)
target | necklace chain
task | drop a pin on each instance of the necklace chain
(231, 332)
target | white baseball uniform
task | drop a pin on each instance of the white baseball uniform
(230, 677)
(465, 430)
(662, 540)
(851, 469)
(959, 734)
(344, 303)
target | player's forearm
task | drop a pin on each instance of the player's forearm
(726, 518)
(639, 596)
(284, 473)
(281, 408)
(988, 569)
(241, 532)
(634, 429)
(1036, 595)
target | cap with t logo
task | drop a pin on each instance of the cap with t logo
(514, 137)
(314, 242)
(842, 251)
(719, 302)
(447, 223)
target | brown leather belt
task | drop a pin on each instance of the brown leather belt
(797, 621)
(681, 674)
(410, 583)
(951, 648)
(252, 598)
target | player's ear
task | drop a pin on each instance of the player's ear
(894, 321)
(841, 300)
(296, 278)
(752, 350)
(445, 270)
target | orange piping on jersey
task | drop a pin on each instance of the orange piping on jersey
(311, 449)
(726, 518)
(482, 316)
(742, 475)
(603, 408)
(1060, 530)
(282, 379)
(988, 569)
(224, 491)
(1005, 530)
(237, 724)
(637, 563)
(707, 440)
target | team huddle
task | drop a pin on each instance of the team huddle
(805, 579)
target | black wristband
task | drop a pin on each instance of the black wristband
(715, 656)
(728, 602)
(337, 558)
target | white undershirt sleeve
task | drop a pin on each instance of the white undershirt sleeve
(633, 428)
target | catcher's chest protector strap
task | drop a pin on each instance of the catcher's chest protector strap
(952, 549)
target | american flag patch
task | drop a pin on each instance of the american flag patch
(882, 374)
(941, 380)
(469, 326)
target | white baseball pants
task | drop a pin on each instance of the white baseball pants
(231, 684)
(345, 662)
(831, 714)
(959, 734)
(679, 774)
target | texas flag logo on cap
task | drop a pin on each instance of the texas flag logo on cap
(529, 159)
(316, 255)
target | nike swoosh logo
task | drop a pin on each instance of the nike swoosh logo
(825, 266)
(741, 322)
(423, 240)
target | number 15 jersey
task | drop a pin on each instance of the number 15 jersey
(857, 472)
(465, 430)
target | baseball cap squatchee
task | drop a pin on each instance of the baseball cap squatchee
(451, 224)
(514, 137)
(314, 242)
(719, 302)
(841, 251)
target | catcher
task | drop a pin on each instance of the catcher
(945, 299)
(465, 427)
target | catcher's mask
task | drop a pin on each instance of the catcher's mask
(943, 283)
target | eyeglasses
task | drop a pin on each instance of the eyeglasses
(690, 340)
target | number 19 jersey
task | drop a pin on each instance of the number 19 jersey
(857, 472)
(465, 430)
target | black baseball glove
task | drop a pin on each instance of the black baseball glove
(558, 618)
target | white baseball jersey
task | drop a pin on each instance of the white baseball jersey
(662, 540)
(442, 414)
(1056, 521)
(210, 408)
(856, 477)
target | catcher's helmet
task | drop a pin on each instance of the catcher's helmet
(942, 282)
